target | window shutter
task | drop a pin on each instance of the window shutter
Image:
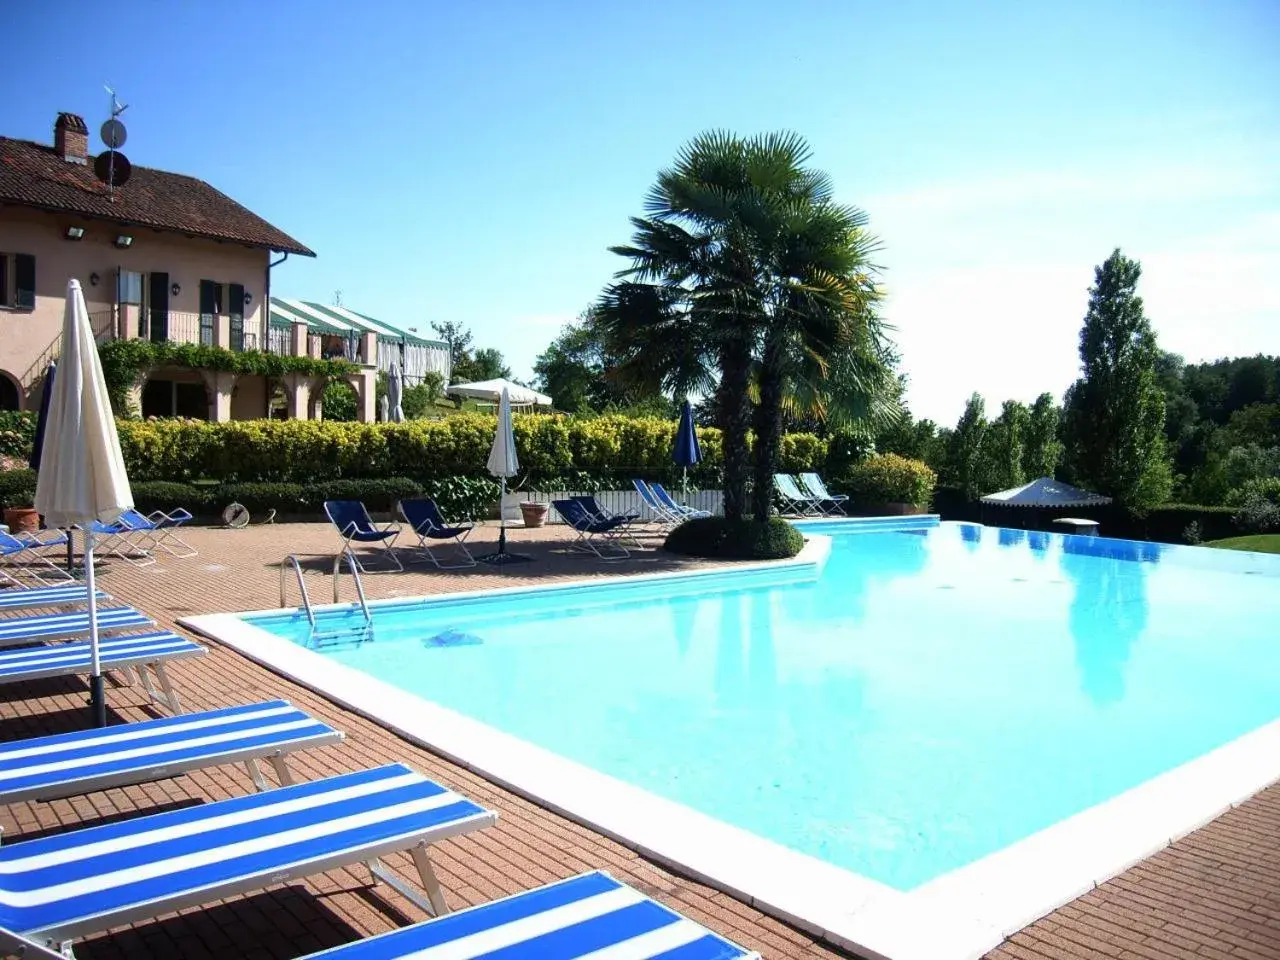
(235, 308)
(208, 310)
(24, 280)
(4, 280)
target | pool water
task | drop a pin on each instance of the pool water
(936, 695)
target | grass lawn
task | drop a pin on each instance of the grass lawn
(1259, 543)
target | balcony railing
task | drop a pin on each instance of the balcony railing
(175, 326)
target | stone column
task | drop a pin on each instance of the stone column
(369, 349)
(298, 345)
(365, 383)
(221, 331)
(297, 391)
(219, 385)
(127, 321)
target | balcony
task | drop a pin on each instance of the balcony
(174, 326)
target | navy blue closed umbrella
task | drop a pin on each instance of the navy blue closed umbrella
(43, 417)
(686, 451)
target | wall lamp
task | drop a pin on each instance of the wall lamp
(94, 279)
(247, 297)
(74, 233)
(124, 241)
(175, 289)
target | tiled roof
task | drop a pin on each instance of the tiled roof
(34, 175)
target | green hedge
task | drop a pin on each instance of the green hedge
(17, 488)
(722, 539)
(17, 432)
(888, 478)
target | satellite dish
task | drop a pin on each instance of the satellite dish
(113, 168)
(113, 133)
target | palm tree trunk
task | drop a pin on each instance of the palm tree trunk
(734, 420)
(768, 427)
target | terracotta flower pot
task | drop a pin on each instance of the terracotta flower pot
(22, 519)
(535, 514)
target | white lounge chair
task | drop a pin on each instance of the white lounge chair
(832, 504)
(33, 598)
(675, 507)
(592, 915)
(69, 764)
(58, 626)
(57, 889)
(139, 652)
(794, 500)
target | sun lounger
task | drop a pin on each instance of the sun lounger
(57, 889)
(794, 500)
(356, 527)
(32, 598)
(428, 525)
(148, 650)
(592, 915)
(657, 512)
(57, 626)
(22, 557)
(830, 503)
(158, 531)
(626, 531)
(118, 539)
(676, 508)
(70, 764)
(595, 536)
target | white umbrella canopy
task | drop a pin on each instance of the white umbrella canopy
(492, 391)
(395, 394)
(503, 463)
(82, 476)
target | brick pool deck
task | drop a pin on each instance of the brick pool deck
(1213, 895)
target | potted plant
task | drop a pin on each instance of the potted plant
(535, 514)
(889, 485)
(17, 493)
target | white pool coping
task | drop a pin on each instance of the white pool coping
(958, 916)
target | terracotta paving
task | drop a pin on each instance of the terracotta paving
(1213, 895)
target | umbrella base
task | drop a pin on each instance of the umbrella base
(501, 558)
(98, 701)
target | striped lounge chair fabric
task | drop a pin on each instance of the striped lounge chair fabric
(589, 915)
(138, 652)
(32, 598)
(57, 889)
(58, 626)
(45, 768)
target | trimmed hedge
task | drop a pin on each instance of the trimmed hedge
(720, 539)
(889, 478)
(17, 488)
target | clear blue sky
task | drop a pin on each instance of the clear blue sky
(473, 161)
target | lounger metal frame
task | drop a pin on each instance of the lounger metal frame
(442, 535)
(365, 533)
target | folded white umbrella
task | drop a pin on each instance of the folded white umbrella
(82, 476)
(503, 463)
(395, 394)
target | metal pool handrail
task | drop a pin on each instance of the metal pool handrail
(354, 567)
(302, 587)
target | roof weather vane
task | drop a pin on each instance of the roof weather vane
(111, 166)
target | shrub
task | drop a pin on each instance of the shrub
(339, 401)
(721, 539)
(1259, 509)
(260, 497)
(420, 399)
(889, 478)
(17, 431)
(846, 449)
(375, 494)
(464, 498)
(1265, 488)
(166, 495)
(17, 488)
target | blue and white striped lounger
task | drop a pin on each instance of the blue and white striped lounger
(57, 889)
(58, 626)
(590, 915)
(68, 764)
(115, 653)
(31, 598)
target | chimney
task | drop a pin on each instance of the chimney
(71, 138)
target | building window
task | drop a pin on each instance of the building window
(129, 287)
(235, 304)
(210, 308)
(18, 281)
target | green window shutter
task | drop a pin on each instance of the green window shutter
(208, 310)
(4, 280)
(24, 280)
(235, 309)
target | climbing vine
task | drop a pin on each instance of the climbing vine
(123, 361)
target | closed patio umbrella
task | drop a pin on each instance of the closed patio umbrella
(395, 394)
(83, 477)
(503, 463)
(686, 452)
(37, 445)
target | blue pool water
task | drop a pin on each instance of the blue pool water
(936, 695)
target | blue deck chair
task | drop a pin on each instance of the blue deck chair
(57, 889)
(429, 525)
(356, 527)
(140, 653)
(794, 500)
(71, 764)
(626, 531)
(657, 512)
(58, 626)
(674, 506)
(573, 918)
(159, 531)
(830, 503)
(595, 536)
(34, 598)
(118, 539)
(22, 558)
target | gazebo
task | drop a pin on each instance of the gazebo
(1043, 501)
(490, 391)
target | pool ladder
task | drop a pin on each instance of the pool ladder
(362, 632)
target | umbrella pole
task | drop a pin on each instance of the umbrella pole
(502, 520)
(684, 484)
(71, 551)
(98, 701)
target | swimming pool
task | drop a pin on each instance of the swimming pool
(930, 697)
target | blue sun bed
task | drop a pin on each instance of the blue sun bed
(57, 889)
(573, 918)
(136, 652)
(31, 598)
(45, 768)
(57, 626)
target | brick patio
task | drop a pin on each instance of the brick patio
(1214, 894)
